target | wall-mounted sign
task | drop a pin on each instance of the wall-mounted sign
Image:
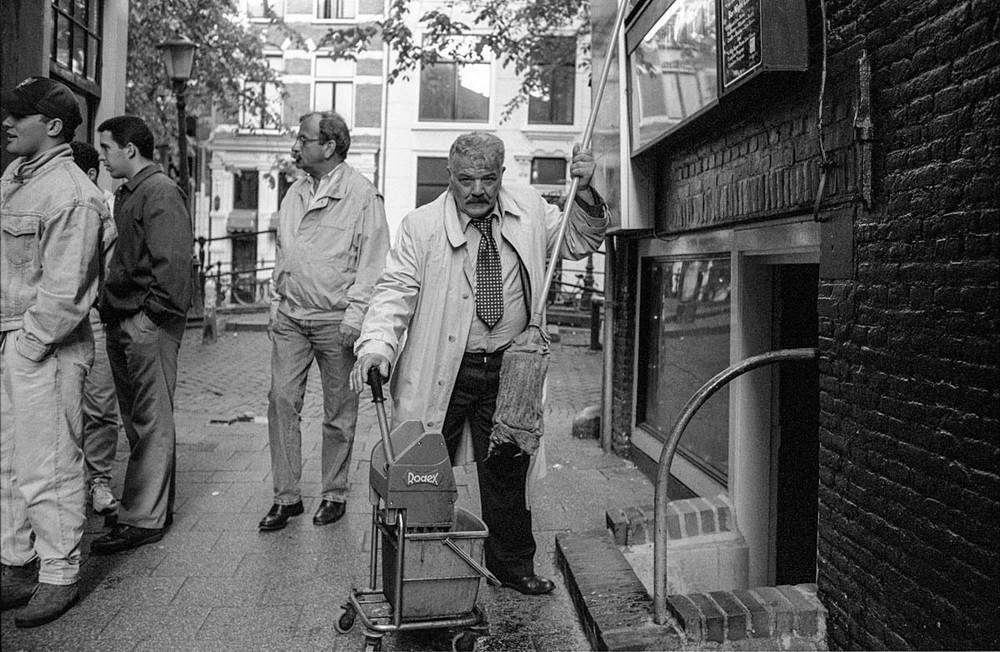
(741, 46)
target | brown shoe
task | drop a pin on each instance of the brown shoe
(48, 603)
(17, 583)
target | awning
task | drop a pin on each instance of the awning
(241, 220)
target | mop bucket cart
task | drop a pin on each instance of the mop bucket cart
(431, 561)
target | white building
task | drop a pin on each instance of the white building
(400, 132)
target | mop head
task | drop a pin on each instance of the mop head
(518, 416)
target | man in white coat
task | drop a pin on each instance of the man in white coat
(459, 284)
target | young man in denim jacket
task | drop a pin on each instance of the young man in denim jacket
(51, 218)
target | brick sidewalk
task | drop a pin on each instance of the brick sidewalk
(216, 583)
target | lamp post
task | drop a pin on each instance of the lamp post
(178, 55)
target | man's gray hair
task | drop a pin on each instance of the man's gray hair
(333, 127)
(479, 146)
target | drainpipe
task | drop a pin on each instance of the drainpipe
(386, 52)
(607, 386)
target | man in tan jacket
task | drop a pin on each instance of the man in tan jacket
(459, 285)
(331, 246)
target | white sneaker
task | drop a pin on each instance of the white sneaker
(103, 500)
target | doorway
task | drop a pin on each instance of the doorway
(795, 426)
(244, 268)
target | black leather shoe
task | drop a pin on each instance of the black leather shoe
(125, 537)
(329, 512)
(277, 517)
(530, 584)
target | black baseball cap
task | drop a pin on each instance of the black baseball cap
(45, 96)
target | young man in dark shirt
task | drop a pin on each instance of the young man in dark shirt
(144, 305)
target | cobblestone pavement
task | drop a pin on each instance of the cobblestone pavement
(215, 583)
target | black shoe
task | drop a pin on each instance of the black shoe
(124, 537)
(277, 517)
(329, 512)
(530, 584)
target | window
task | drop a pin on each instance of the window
(684, 340)
(673, 69)
(76, 37)
(267, 113)
(333, 9)
(553, 103)
(449, 92)
(548, 171)
(261, 8)
(432, 178)
(245, 189)
(334, 88)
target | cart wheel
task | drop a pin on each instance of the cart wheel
(373, 644)
(345, 619)
(463, 642)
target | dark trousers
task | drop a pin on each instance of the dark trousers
(510, 547)
(144, 364)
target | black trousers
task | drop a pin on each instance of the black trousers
(510, 547)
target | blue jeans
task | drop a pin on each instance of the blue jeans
(42, 489)
(100, 409)
(295, 344)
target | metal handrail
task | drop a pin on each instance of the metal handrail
(667, 457)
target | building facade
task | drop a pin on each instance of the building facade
(249, 162)
(817, 173)
(82, 44)
(400, 132)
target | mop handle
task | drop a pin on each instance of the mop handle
(378, 398)
(588, 134)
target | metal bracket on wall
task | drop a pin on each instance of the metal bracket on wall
(836, 243)
(864, 128)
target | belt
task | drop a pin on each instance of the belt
(481, 357)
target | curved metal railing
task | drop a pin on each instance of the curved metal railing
(667, 457)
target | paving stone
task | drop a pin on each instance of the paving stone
(250, 624)
(183, 563)
(119, 591)
(216, 583)
(166, 623)
(210, 591)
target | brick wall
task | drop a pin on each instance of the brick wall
(296, 102)
(765, 166)
(909, 397)
(367, 105)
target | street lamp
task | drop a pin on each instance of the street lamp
(178, 55)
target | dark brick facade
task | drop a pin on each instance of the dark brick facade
(909, 396)
(909, 400)
(623, 295)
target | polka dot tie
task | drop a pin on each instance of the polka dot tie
(489, 281)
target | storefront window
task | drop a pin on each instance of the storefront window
(684, 341)
(673, 69)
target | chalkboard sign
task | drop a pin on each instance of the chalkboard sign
(741, 42)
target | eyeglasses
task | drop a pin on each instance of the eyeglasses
(302, 140)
